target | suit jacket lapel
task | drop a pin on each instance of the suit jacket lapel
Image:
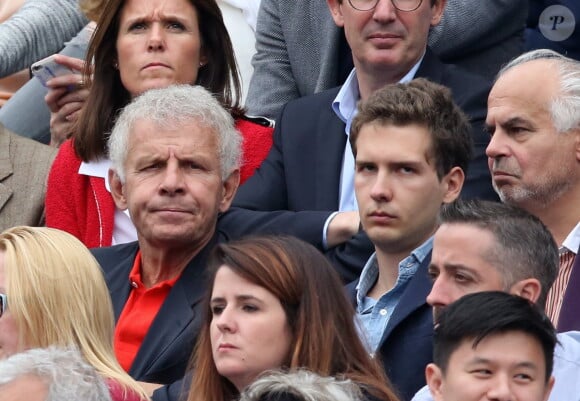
(176, 317)
(414, 296)
(6, 168)
(118, 279)
(330, 140)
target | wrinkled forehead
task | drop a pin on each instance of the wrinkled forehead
(467, 253)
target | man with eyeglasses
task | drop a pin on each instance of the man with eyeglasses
(311, 165)
(300, 51)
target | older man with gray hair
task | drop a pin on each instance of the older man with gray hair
(50, 374)
(534, 157)
(175, 157)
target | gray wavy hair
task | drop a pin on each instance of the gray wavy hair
(301, 385)
(172, 107)
(66, 374)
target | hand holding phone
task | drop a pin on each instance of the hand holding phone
(48, 68)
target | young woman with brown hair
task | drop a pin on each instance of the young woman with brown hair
(276, 302)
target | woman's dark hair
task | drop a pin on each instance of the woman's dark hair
(107, 94)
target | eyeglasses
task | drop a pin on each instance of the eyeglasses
(401, 5)
(3, 304)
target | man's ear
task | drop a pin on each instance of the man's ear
(437, 11)
(229, 189)
(117, 190)
(453, 182)
(529, 289)
(335, 7)
(549, 387)
(434, 377)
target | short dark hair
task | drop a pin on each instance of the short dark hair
(524, 247)
(476, 316)
(425, 103)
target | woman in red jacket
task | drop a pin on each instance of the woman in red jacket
(139, 45)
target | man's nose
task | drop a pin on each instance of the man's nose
(173, 179)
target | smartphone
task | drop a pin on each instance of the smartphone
(47, 69)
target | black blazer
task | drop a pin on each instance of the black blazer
(302, 170)
(167, 346)
(407, 343)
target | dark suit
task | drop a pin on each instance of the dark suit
(570, 312)
(407, 343)
(167, 347)
(302, 170)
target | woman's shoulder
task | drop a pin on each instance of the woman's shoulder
(66, 152)
(66, 162)
(248, 124)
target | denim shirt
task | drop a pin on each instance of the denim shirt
(373, 315)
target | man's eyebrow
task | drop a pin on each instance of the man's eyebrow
(517, 120)
(510, 122)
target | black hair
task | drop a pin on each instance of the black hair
(476, 316)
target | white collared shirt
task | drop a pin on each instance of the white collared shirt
(572, 241)
(123, 228)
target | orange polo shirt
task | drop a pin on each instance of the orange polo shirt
(138, 314)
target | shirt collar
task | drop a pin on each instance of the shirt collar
(344, 104)
(572, 241)
(97, 168)
(370, 272)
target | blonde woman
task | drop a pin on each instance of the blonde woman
(52, 293)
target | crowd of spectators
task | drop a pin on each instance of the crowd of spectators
(352, 200)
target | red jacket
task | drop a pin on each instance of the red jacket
(82, 206)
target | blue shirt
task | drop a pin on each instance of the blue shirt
(373, 315)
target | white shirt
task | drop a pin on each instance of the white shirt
(123, 228)
(240, 17)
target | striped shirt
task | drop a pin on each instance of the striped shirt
(558, 289)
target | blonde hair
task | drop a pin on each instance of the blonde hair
(58, 297)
